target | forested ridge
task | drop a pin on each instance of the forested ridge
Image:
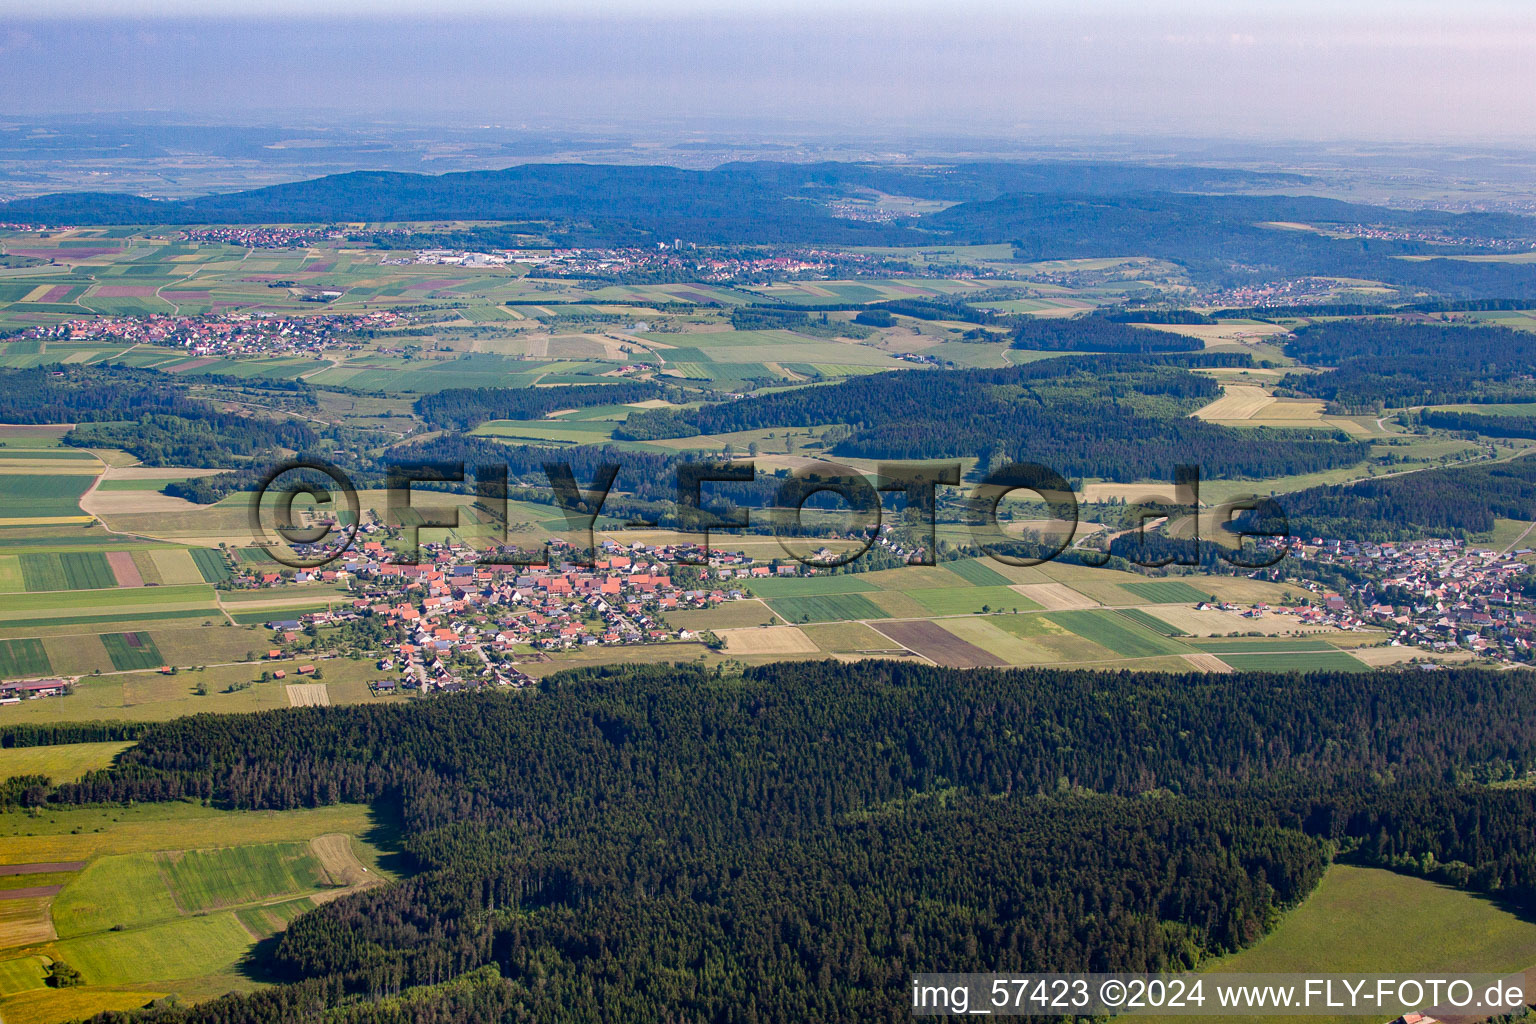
(467, 408)
(663, 843)
(1118, 417)
(1389, 363)
(142, 413)
(1047, 210)
(1478, 423)
(1097, 334)
(1455, 502)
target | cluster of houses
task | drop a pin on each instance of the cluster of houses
(1275, 293)
(458, 622)
(225, 334)
(674, 258)
(663, 256)
(262, 237)
(1438, 594)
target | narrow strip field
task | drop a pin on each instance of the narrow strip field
(124, 570)
(939, 645)
(1306, 661)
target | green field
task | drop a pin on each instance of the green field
(810, 586)
(1306, 661)
(66, 570)
(1152, 622)
(38, 496)
(977, 573)
(267, 615)
(21, 974)
(1369, 921)
(127, 601)
(23, 657)
(61, 762)
(1166, 592)
(1119, 634)
(826, 608)
(131, 651)
(173, 896)
(1504, 409)
(214, 879)
(1260, 645)
(211, 564)
(971, 600)
(183, 948)
(114, 892)
(13, 625)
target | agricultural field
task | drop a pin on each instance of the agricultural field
(23, 657)
(1298, 661)
(130, 651)
(150, 695)
(1370, 921)
(826, 607)
(939, 645)
(1117, 633)
(971, 600)
(167, 898)
(63, 762)
(69, 570)
(1166, 592)
(42, 493)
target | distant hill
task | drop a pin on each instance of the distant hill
(646, 197)
(1212, 221)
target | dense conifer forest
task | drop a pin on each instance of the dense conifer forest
(1452, 502)
(1119, 417)
(142, 412)
(664, 843)
(467, 408)
(1388, 363)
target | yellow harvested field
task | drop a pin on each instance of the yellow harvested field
(26, 921)
(308, 695)
(47, 521)
(1207, 663)
(1216, 334)
(48, 467)
(52, 1004)
(767, 640)
(176, 566)
(103, 504)
(1378, 656)
(1238, 402)
(1215, 622)
(1054, 597)
(335, 853)
(1292, 410)
(1149, 491)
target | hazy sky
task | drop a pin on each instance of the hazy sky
(1371, 70)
